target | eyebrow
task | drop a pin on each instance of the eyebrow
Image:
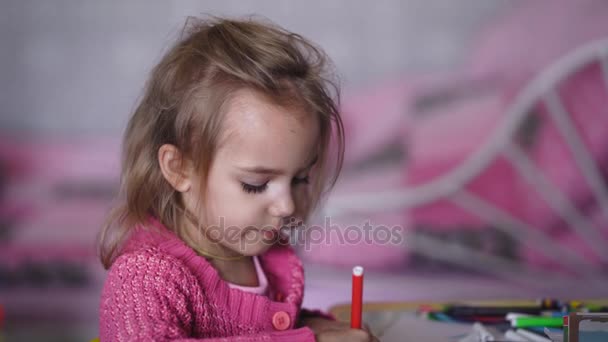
(268, 171)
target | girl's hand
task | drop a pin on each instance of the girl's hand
(328, 331)
(351, 335)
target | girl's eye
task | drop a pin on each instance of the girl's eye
(254, 189)
(302, 180)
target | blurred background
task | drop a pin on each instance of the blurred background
(477, 129)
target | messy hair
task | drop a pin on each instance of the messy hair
(184, 104)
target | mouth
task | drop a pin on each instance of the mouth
(266, 233)
(270, 234)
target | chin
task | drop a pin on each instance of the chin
(253, 250)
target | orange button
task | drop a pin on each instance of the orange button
(281, 320)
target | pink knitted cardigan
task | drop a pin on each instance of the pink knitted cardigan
(159, 289)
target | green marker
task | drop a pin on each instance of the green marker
(529, 322)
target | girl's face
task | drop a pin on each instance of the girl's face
(259, 177)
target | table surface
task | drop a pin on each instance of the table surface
(72, 315)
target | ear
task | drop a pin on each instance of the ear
(176, 170)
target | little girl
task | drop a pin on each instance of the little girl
(228, 147)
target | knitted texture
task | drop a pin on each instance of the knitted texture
(159, 289)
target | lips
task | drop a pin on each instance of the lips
(270, 234)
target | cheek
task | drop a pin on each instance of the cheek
(194, 203)
(235, 207)
(301, 198)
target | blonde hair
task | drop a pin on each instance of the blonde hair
(184, 102)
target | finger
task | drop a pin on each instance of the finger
(339, 325)
(363, 335)
(369, 335)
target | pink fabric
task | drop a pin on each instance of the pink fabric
(370, 247)
(508, 52)
(445, 136)
(508, 47)
(56, 194)
(584, 97)
(373, 118)
(159, 289)
(262, 288)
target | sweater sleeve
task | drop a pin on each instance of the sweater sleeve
(146, 298)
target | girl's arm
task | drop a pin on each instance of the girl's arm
(147, 297)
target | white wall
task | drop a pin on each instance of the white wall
(76, 67)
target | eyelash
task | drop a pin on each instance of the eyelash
(256, 189)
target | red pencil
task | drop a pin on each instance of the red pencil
(357, 302)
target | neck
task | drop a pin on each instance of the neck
(231, 266)
(208, 249)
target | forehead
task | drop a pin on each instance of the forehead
(257, 131)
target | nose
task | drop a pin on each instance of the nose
(283, 206)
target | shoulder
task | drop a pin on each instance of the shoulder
(152, 248)
(150, 259)
(154, 258)
(148, 269)
(150, 282)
